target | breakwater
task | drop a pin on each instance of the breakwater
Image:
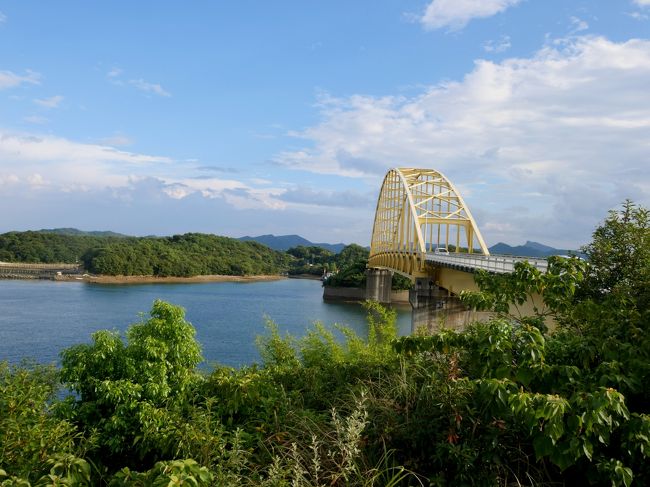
(19, 270)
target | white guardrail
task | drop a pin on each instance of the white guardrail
(501, 264)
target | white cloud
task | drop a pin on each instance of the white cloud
(572, 122)
(36, 181)
(8, 179)
(455, 14)
(70, 165)
(118, 139)
(147, 87)
(339, 199)
(578, 25)
(63, 165)
(642, 3)
(36, 119)
(500, 45)
(115, 77)
(51, 102)
(3, 18)
(9, 79)
(639, 16)
(36, 148)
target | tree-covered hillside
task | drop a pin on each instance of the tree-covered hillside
(180, 255)
(186, 255)
(49, 247)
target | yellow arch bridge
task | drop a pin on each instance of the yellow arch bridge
(424, 230)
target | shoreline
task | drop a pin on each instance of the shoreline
(105, 279)
(310, 277)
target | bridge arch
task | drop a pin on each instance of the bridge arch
(419, 210)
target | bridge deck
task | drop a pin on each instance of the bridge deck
(499, 264)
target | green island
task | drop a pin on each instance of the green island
(179, 255)
(188, 255)
(504, 402)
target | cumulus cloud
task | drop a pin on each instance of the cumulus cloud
(36, 161)
(9, 79)
(117, 139)
(36, 119)
(153, 88)
(639, 16)
(455, 14)
(568, 123)
(578, 25)
(43, 148)
(500, 45)
(339, 199)
(51, 102)
(642, 3)
(115, 77)
(70, 165)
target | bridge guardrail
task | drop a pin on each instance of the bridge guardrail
(500, 264)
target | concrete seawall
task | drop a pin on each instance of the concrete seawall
(358, 294)
(19, 270)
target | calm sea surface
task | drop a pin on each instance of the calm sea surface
(38, 319)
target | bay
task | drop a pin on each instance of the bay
(38, 319)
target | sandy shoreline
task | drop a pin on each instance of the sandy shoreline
(162, 280)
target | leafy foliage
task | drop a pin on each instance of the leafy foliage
(619, 256)
(317, 261)
(128, 392)
(311, 260)
(34, 444)
(353, 275)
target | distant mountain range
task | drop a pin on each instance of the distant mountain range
(530, 249)
(74, 231)
(285, 242)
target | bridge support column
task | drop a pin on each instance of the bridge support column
(427, 302)
(378, 285)
(434, 307)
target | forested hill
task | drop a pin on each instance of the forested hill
(180, 255)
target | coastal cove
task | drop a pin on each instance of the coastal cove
(40, 318)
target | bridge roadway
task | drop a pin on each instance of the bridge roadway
(498, 264)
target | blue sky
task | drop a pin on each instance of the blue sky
(247, 117)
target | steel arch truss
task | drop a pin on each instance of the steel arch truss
(419, 210)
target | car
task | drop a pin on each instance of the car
(441, 251)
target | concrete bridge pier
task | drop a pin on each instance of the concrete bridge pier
(428, 303)
(434, 307)
(378, 285)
